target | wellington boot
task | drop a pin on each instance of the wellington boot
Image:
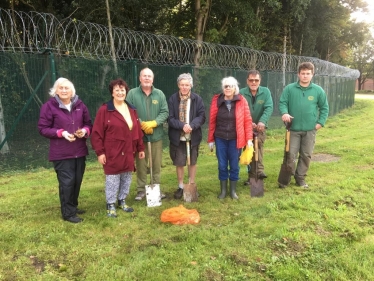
(111, 211)
(223, 189)
(233, 190)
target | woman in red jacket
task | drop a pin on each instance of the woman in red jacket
(116, 137)
(230, 128)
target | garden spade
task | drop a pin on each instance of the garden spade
(152, 191)
(189, 190)
(285, 173)
(256, 184)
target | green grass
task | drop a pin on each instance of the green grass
(323, 233)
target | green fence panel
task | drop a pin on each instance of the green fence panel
(22, 72)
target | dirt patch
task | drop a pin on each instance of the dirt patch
(320, 157)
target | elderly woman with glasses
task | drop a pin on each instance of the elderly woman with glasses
(230, 129)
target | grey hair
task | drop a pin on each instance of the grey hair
(230, 81)
(52, 91)
(185, 76)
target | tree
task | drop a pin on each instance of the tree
(362, 59)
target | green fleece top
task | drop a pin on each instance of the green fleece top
(262, 108)
(152, 107)
(308, 106)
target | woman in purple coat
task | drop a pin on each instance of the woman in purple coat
(116, 137)
(65, 121)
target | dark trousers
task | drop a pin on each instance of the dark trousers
(69, 175)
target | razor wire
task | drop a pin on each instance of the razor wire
(35, 32)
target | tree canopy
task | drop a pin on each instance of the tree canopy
(318, 28)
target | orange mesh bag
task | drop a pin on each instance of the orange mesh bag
(180, 215)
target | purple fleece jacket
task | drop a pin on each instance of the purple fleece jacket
(56, 118)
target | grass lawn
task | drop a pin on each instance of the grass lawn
(321, 233)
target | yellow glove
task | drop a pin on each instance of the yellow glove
(148, 131)
(142, 124)
(151, 124)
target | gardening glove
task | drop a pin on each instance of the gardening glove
(211, 146)
(151, 124)
(142, 125)
(249, 143)
(67, 136)
(148, 131)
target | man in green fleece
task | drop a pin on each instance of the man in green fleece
(305, 103)
(152, 109)
(261, 106)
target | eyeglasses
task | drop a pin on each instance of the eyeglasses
(253, 80)
(228, 86)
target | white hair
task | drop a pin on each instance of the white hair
(230, 81)
(185, 76)
(52, 91)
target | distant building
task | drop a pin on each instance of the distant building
(368, 85)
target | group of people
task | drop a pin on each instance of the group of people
(134, 117)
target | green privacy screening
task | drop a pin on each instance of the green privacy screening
(36, 49)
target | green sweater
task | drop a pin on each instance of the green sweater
(152, 107)
(262, 108)
(308, 106)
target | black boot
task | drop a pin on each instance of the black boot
(223, 189)
(233, 190)
(111, 210)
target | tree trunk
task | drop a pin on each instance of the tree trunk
(5, 148)
(284, 56)
(111, 37)
(202, 13)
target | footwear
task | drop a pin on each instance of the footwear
(302, 183)
(233, 190)
(140, 195)
(122, 205)
(262, 176)
(111, 211)
(223, 185)
(178, 193)
(80, 211)
(74, 219)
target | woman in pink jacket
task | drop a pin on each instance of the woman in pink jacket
(230, 128)
(116, 137)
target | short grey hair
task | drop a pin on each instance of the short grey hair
(52, 91)
(230, 81)
(185, 76)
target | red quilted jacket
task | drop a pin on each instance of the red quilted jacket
(243, 121)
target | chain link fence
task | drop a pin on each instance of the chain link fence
(36, 48)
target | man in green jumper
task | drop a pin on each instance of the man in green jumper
(153, 111)
(261, 106)
(305, 103)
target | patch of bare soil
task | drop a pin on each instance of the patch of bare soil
(321, 157)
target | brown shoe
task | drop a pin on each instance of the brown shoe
(140, 196)
(178, 193)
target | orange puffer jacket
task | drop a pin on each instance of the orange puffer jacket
(243, 121)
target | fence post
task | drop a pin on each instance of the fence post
(10, 133)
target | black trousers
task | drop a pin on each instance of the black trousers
(69, 175)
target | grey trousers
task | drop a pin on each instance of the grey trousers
(117, 185)
(301, 150)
